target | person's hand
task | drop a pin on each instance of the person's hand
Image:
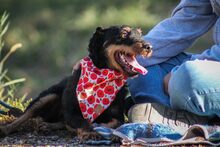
(76, 66)
(166, 82)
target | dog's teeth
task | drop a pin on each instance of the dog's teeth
(133, 69)
(122, 57)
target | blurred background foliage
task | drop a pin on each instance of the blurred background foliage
(55, 33)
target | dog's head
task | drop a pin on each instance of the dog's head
(116, 48)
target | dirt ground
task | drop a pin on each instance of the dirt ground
(29, 135)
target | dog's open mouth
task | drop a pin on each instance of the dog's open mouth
(129, 63)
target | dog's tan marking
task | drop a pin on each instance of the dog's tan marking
(139, 30)
(111, 51)
(125, 32)
(146, 53)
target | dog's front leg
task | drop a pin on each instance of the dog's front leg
(75, 122)
(72, 114)
(82, 129)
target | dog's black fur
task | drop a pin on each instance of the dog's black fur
(59, 103)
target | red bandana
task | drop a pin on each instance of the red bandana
(97, 88)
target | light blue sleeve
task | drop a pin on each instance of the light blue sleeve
(189, 20)
(214, 52)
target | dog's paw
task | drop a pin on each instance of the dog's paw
(85, 135)
(43, 127)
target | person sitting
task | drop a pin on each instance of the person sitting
(178, 81)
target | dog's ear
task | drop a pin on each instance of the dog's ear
(99, 30)
(96, 46)
(97, 39)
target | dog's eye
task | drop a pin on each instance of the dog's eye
(124, 34)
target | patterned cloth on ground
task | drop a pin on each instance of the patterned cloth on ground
(158, 135)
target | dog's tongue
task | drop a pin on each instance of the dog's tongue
(136, 66)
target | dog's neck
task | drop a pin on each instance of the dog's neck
(97, 88)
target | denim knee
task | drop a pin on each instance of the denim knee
(195, 86)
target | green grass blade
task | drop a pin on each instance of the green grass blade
(4, 29)
(4, 18)
(14, 82)
(3, 74)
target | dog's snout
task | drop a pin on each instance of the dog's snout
(147, 50)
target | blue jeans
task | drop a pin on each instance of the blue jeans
(195, 86)
(149, 87)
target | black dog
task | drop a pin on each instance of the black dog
(113, 48)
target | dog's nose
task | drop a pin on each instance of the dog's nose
(148, 46)
(147, 51)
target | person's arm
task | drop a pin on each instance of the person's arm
(189, 20)
(166, 82)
